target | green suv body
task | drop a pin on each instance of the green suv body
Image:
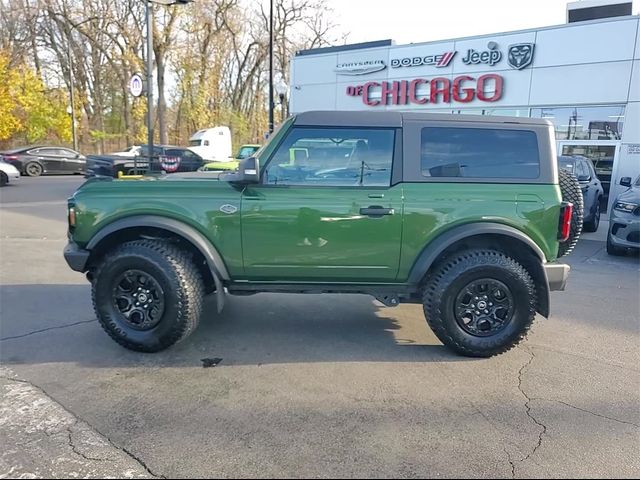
(460, 214)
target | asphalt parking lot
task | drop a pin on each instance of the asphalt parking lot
(313, 386)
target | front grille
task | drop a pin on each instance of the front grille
(634, 237)
(636, 211)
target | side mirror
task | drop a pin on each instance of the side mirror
(625, 181)
(248, 172)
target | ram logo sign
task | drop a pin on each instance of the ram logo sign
(520, 55)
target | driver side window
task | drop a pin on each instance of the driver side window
(333, 157)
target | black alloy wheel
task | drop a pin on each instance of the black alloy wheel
(139, 299)
(484, 307)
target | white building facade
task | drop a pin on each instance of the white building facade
(583, 76)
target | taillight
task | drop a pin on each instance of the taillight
(564, 229)
(72, 216)
(10, 158)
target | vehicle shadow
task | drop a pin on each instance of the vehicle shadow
(42, 324)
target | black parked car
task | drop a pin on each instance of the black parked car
(40, 160)
(166, 158)
(592, 190)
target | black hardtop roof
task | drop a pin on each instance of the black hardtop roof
(342, 118)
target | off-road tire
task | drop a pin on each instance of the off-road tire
(176, 274)
(33, 169)
(593, 224)
(3, 179)
(451, 276)
(571, 192)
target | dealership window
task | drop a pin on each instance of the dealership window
(479, 153)
(505, 112)
(584, 123)
(333, 157)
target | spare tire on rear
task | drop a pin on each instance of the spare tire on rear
(571, 192)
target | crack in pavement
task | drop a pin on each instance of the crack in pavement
(588, 411)
(78, 452)
(513, 465)
(78, 419)
(46, 330)
(543, 428)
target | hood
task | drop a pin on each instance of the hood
(632, 195)
(8, 168)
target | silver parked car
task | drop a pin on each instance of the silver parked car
(624, 219)
(8, 174)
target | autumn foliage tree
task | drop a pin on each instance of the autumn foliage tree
(29, 112)
(210, 67)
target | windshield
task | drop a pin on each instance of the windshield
(566, 163)
(265, 147)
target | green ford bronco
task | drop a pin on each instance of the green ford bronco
(462, 214)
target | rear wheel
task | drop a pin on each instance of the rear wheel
(33, 169)
(480, 303)
(571, 192)
(147, 295)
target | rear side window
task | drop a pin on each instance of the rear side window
(479, 153)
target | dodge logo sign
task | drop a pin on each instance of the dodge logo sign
(520, 55)
(442, 60)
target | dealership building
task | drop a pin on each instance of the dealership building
(584, 76)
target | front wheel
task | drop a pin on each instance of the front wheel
(480, 303)
(3, 179)
(147, 295)
(613, 250)
(593, 224)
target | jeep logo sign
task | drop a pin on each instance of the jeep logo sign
(490, 56)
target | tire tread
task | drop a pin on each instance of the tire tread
(446, 273)
(189, 287)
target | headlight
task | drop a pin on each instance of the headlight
(625, 207)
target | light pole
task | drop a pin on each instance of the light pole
(271, 103)
(149, 88)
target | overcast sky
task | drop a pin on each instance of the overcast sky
(407, 21)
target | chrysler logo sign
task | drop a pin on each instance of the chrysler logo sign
(360, 67)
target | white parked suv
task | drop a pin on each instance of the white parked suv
(8, 174)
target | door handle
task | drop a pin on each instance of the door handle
(376, 211)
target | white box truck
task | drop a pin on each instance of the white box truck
(212, 144)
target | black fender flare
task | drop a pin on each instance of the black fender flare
(198, 240)
(435, 248)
